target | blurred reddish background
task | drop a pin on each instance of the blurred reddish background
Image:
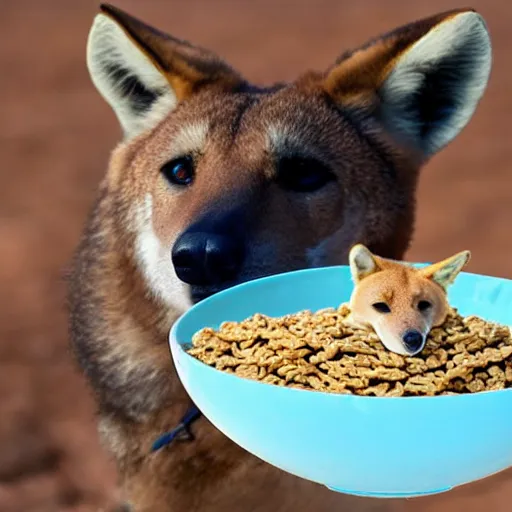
(56, 134)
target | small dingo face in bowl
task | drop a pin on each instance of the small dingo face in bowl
(400, 302)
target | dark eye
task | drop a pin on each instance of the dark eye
(179, 171)
(381, 307)
(303, 174)
(423, 305)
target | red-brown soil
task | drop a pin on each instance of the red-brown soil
(55, 137)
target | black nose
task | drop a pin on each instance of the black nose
(413, 340)
(206, 259)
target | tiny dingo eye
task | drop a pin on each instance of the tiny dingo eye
(423, 305)
(179, 171)
(303, 174)
(381, 307)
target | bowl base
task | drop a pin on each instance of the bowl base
(390, 494)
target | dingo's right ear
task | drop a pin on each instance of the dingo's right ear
(362, 263)
(143, 73)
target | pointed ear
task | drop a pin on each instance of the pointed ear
(362, 263)
(422, 82)
(445, 272)
(143, 73)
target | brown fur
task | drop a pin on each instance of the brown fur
(119, 324)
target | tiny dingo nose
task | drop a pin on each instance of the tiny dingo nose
(413, 341)
(206, 258)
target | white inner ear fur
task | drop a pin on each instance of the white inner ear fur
(447, 274)
(361, 262)
(110, 48)
(462, 38)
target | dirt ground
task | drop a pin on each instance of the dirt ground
(55, 137)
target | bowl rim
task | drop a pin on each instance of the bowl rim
(175, 345)
(280, 275)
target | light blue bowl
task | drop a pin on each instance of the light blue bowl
(381, 447)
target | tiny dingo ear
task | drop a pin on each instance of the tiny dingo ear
(421, 82)
(362, 263)
(143, 73)
(445, 272)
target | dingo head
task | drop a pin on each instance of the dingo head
(400, 302)
(219, 181)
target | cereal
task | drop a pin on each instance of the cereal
(324, 351)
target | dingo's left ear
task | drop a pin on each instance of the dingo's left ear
(445, 272)
(362, 263)
(422, 81)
